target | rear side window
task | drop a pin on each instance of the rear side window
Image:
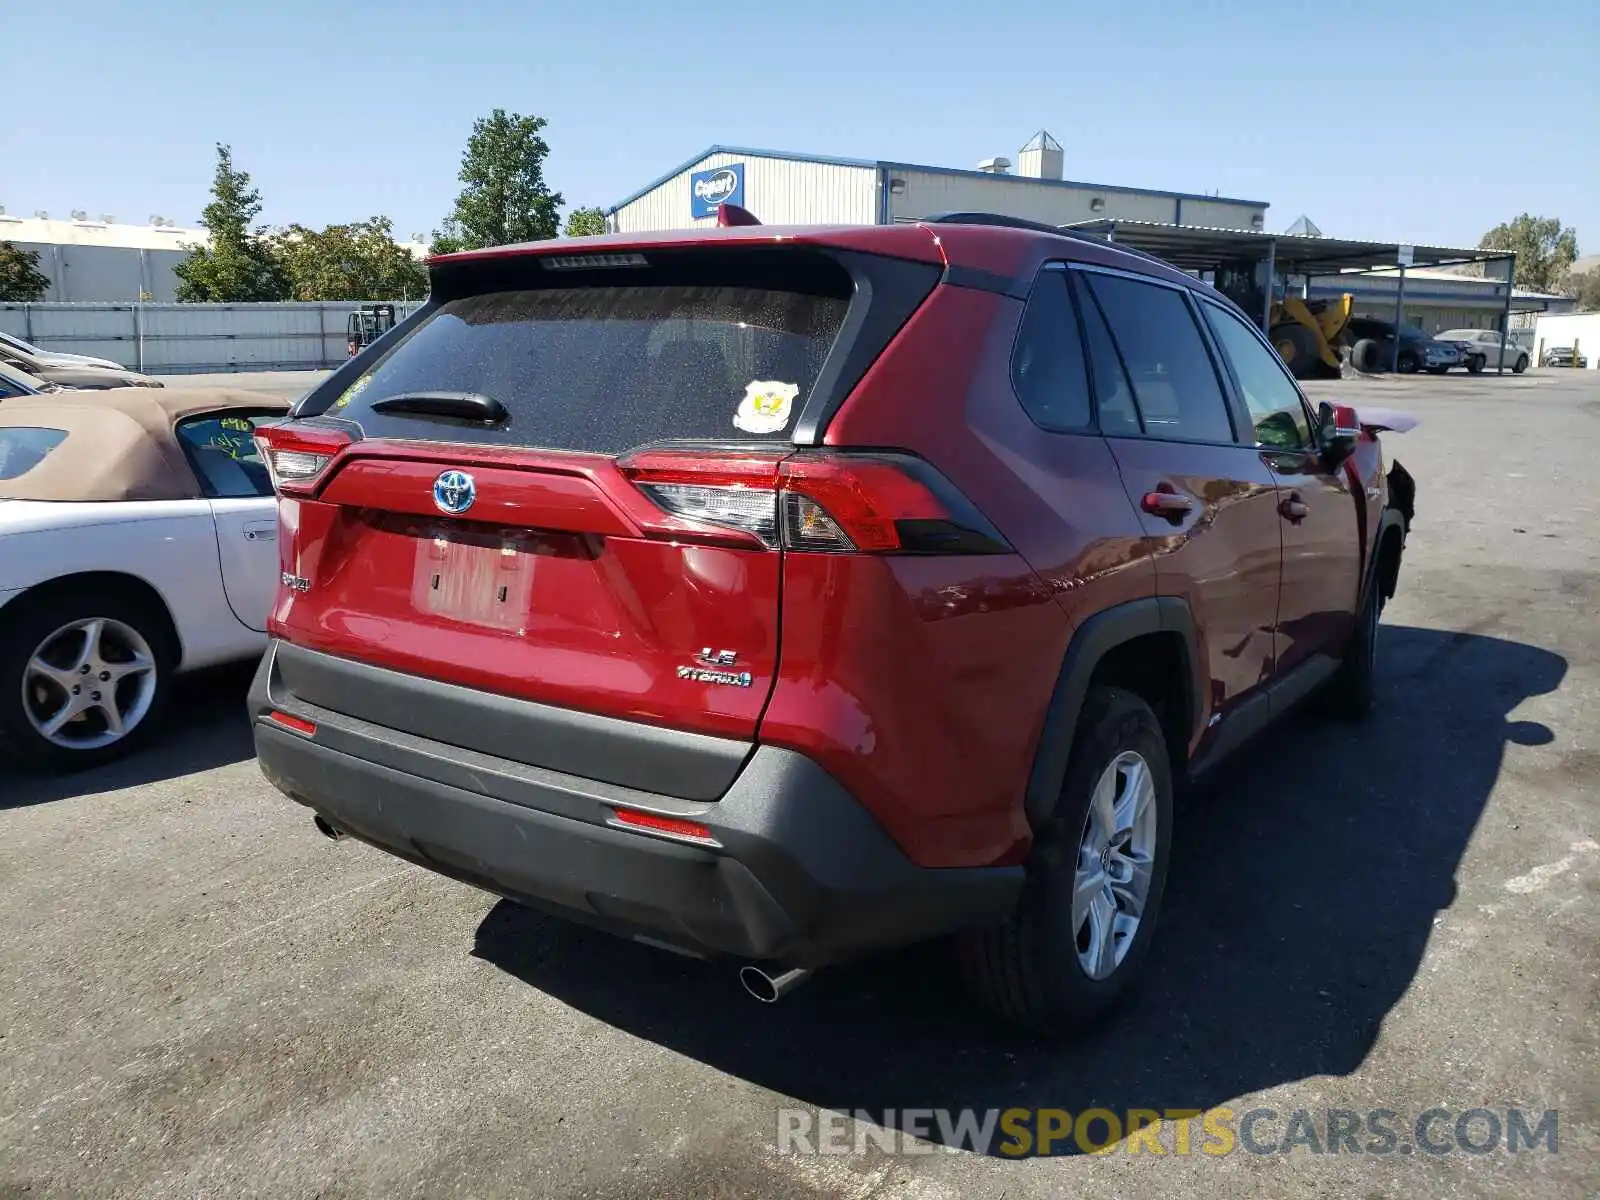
(603, 369)
(223, 452)
(1113, 395)
(1173, 379)
(1270, 394)
(23, 447)
(1047, 362)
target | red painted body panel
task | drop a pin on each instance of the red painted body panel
(1222, 557)
(598, 620)
(944, 392)
(921, 685)
(1322, 557)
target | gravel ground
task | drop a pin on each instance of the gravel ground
(203, 997)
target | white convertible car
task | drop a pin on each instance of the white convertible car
(138, 539)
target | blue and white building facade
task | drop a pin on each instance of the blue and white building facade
(809, 189)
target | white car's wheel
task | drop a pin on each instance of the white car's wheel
(83, 677)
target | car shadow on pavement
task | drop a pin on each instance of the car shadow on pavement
(1304, 885)
(205, 726)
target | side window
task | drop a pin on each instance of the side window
(1174, 381)
(24, 447)
(1113, 396)
(1047, 363)
(222, 450)
(1275, 410)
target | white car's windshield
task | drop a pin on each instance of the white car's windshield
(17, 343)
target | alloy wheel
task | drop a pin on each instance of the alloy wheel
(89, 684)
(1116, 860)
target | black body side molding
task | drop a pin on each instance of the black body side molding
(1096, 637)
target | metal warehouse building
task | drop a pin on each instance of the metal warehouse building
(102, 260)
(806, 189)
(96, 259)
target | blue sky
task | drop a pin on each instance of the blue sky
(1425, 122)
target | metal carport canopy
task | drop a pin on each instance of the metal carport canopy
(1200, 248)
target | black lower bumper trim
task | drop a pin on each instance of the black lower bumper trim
(802, 874)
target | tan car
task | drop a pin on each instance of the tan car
(72, 376)
(19, 383)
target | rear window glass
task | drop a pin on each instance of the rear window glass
(604, 369)
(23, 447)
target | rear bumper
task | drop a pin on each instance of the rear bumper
(801, 873)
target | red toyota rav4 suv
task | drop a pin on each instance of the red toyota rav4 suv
(791, 593)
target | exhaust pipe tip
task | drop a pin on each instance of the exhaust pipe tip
(769, 989)
(328, 829)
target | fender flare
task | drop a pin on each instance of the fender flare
(1397, 514)
(1091, 642)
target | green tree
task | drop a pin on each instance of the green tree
(21, 281)
(1544, 249)
(359, 261)
(504, 198)
(585, 222)
(238, 266)
(1584, 286)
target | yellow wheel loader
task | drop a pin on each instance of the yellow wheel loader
(1308, 334)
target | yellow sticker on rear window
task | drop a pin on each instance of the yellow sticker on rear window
(351, 392)
(766, 407)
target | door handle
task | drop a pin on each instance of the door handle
(1294, 508)
(1169, 505)
(265, 532)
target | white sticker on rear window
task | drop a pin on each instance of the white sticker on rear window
(766, 406)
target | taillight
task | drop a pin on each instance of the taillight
(828, 502)
(732, 490)
(298, 458)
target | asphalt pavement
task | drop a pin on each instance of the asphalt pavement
(204, 997)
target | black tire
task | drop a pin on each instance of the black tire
(1297, 347)
(1350, 692)
(25, 625)
(1475, 364)
(1364, 356)
(1028, 970)
(1406, 364)
(1521, 364)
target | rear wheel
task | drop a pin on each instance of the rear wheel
(1407, 363)
(1364, 356)
(1521, 365)
(83, 678)
(1476, 363)
(1083, 923)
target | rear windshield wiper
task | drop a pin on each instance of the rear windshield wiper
(460, 406)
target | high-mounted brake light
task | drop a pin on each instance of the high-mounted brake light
(830, 502)
(297, 459)
(590, 262)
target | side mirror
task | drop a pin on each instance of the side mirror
(1338, 430)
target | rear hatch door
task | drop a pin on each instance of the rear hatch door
(485, 527)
